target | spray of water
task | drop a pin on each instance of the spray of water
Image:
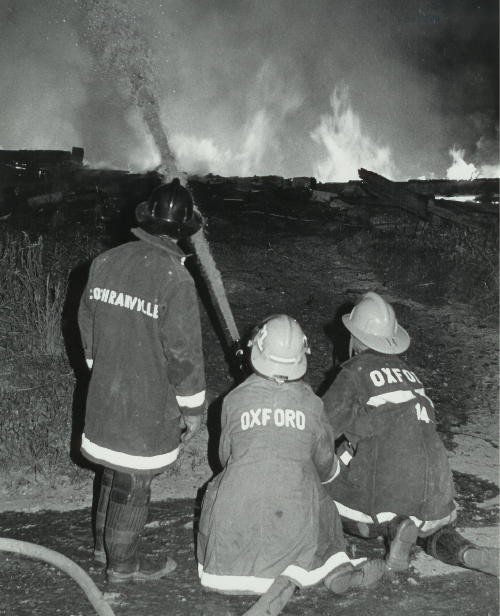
(116, 37)
(114, 34)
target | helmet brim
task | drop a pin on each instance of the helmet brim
(143, 215)
(269, 368)
(396, 344)
(191, 226)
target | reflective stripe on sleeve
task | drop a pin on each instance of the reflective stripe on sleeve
(118, 458)
(191, 402)
(394, 397)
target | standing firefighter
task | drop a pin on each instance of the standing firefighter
(140, 326)
(267, 514)
(395, 478)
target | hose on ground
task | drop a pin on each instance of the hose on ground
(81, 577)
(272, 602)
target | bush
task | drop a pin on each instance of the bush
(36, 380)
(31, 297)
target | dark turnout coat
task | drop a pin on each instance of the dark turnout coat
(266, 513)
(140, 328)
(399, 464)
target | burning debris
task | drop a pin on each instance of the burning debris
(46, 181)
(49, 181)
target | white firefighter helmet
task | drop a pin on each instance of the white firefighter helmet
(280, 349)
(373, 322)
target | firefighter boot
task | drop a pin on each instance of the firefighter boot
(347, 576)
(127, 514)
(450, 547)
(100, 515)
(402, 538)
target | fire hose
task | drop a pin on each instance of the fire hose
(272, 602)
(213, 282)
(33, 550)
(269, 604)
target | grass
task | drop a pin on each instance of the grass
(36, 379)
(431, 264)
(31, 297)
(436, 264)
(36, 417)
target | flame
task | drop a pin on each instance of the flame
(258, 138)
(97, 58)
(462, 170)
(348, 147)
(459, 169)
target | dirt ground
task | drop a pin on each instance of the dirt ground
(271, 266)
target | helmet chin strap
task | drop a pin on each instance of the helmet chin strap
(164, 236)
(351, 347)
(273, 377)
(356, 346)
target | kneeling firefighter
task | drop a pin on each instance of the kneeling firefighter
(395, 479)
(140, 327)
(266, 518)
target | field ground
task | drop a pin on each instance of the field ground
(305, 270)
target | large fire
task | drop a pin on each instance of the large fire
(462, 170)
(226, 92)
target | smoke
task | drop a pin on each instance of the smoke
(255, 146)
(249, 87)
(258, 140)
(42, 72)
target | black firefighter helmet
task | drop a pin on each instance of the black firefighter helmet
(169, 211)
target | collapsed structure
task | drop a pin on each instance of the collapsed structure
(46, 181)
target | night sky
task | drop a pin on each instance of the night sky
(288, 87)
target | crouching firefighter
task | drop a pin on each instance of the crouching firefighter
(141, 334)
(395, 479)
(266, 516)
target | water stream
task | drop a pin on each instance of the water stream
(113, 33)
